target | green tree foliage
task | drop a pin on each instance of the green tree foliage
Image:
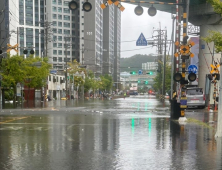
(217, 5)
(16, 69)
(215, 36)
(135, 62)
(106, 83)
(88, 81)
(75, 68)
(158, 81)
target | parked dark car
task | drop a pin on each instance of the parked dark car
(195, 97)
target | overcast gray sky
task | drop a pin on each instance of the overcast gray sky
(132, 26)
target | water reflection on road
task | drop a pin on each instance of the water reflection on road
(127, 134)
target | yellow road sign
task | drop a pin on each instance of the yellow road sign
(184, 49)
(215, 68)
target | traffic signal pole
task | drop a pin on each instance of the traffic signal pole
(183, 99)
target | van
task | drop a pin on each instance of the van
(195, 97)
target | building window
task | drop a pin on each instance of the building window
(55, 59)
(54, 9)
(59, 31)
(68, 52)
(54, 23)
(60, 17)
(59, 38)
(59, 2)
(66, 17)
(59, 45)
(55, 52)
(54, 30)
(66, 3)
(54, 44)
(60, 24)
(54, 16)
(66, 31)
(66, 24)
(59, 9)
(54, 38)
(53, 1)
(66, 10)
(60, 52)
(60, 59)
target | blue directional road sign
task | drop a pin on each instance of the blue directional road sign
(192, 69)
(140, 72)
(141, 41)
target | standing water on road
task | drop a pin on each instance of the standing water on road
(135, 133)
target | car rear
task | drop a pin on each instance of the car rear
(195, 97)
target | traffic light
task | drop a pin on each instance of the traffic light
(133, 72)
(86, 6)
(210, 77)
(150, 73)
(177, 77)
(139, 81)
(192, 77)
(216, 76)
(146, 82)
(32, 51)
(25, 51)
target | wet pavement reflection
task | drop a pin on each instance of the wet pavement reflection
(135, 133)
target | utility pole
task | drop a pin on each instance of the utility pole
(47, 38)
(160, 38)
(66, 45)
(164, 66)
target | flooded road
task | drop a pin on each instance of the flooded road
(135, 133)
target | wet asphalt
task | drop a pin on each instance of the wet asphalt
(135, 133)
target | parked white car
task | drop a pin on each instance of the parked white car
(195, 97)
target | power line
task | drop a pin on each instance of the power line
(15, 5)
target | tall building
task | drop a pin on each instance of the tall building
(53, 30)
(111, 42)
(91, 42)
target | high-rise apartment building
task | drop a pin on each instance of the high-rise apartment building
(91, 42)
(53, 30)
